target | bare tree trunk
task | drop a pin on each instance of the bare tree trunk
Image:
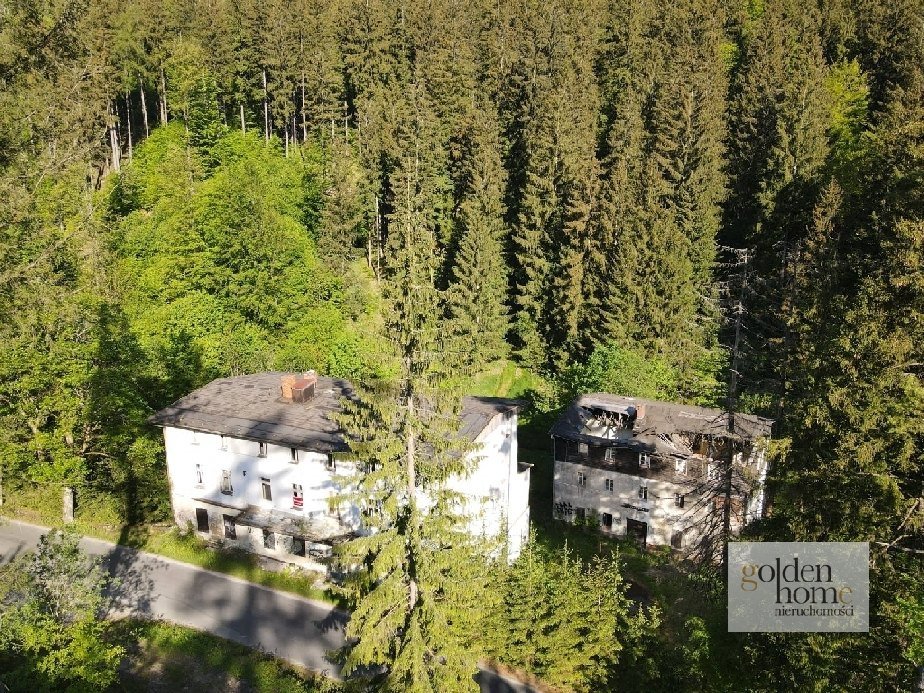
(369, 236)
(304, 116)
(128, 123)
(243, 122)
(266, 127)
(116, 153)
(412, 494)
(144, 107)
(286, 128)
(67, 503)
(732, 406)
(163, 97)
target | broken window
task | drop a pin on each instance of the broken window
(269, 539)
(266, 488)
(608, 485)
(262, 450)
(230, 529)
(678, 500)
(581, 479)
(643, 492)
(298, 498)
(198, 475)
(644, 460)
(226, 487)
(561, 450)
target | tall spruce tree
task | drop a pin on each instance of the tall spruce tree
(421, 570)
(549, 112)
(852, 470)
(778, 145)
(477, 294)
(652, 238)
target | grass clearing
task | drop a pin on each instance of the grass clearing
(504, 378)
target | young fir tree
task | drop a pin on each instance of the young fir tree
(420, 584)
(477, 294)
(566, 621)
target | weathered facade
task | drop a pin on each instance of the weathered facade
(657, 471)
(258, 462)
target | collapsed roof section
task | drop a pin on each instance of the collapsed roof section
(650, 426)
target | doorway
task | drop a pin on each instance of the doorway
(202, 519)
(637, 530)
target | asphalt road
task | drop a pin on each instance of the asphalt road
(293, 628)
(299, 630)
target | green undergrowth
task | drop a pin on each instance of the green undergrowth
(168, 657)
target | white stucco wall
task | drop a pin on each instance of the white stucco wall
(498, 495)
(186, 449)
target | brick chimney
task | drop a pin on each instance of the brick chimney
(303, 388)
(287, 381)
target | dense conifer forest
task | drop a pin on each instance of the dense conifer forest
(647, 197)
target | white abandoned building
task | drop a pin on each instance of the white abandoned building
(656, 471)
(256, 460)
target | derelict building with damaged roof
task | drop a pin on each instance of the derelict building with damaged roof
(658, 472)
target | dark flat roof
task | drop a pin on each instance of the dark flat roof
(252, 407)
(660, 419)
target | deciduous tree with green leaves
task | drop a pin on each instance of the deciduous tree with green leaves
(52, 633)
